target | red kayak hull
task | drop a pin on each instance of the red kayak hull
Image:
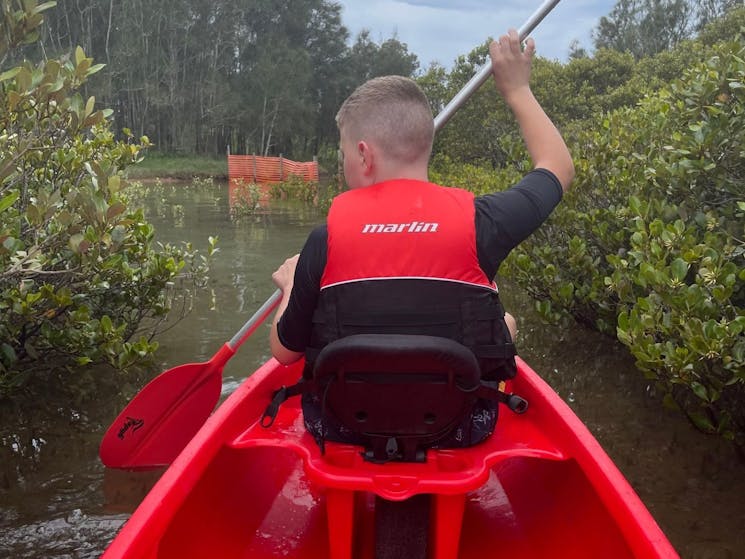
(540, 487)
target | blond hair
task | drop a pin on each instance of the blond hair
(393, 113)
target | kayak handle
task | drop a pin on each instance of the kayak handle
(516, 403)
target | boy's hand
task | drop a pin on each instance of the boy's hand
(284, 277)
(510, 64)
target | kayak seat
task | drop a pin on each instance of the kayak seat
(399, 394)
(344, 474)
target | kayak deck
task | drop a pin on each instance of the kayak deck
(540, 487)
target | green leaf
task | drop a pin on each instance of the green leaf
(118, 234)
(89, 105)
(8, 353)
(702, 422)
(9, 200)
(635, 205)
(43, 7)
(700, 391)
(12, 244)
(9, 74)
(679, 268)
(95, 68)
(75, 242)
(79, 55)
(23, 79)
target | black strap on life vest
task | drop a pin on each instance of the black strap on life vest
(470, 315)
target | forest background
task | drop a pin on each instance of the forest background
(649, 247)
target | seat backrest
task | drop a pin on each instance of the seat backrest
(402, 393)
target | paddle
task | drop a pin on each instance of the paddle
(483, 74)
(163, 417)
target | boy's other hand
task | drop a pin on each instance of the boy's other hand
(511, 64)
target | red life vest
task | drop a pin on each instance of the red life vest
(403, 229)
(402, 259)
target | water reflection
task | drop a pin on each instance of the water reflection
(56, 500)
(124, 490)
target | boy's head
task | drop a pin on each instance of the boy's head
(393, 114)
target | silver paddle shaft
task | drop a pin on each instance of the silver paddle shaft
(481, 76)
(256, 320)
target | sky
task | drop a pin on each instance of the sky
(441, 30)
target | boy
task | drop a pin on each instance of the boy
(401, 255)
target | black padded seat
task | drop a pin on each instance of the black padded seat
(401, 393)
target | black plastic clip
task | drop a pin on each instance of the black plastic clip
(272, 409)
(516, 403)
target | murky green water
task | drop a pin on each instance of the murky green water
(57, 501)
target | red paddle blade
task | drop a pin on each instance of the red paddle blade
(163, 417)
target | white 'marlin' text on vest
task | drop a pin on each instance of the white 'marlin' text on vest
(413, 227)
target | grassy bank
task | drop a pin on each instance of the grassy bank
(160, 165)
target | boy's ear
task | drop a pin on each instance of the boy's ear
(365, 153)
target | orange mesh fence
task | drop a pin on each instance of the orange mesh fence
(258, 169)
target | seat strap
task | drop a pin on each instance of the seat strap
(282, 395)
(514, 402)
(494, 351)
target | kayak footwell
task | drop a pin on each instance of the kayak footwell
(540, 486)
(529, 507)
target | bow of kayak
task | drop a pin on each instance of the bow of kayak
(541, 486)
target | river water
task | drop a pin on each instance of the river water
(57, 501)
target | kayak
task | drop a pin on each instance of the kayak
(540, 486)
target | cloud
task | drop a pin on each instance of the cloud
(463, 5)
(441, 30)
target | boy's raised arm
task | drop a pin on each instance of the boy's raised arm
(511, 69)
